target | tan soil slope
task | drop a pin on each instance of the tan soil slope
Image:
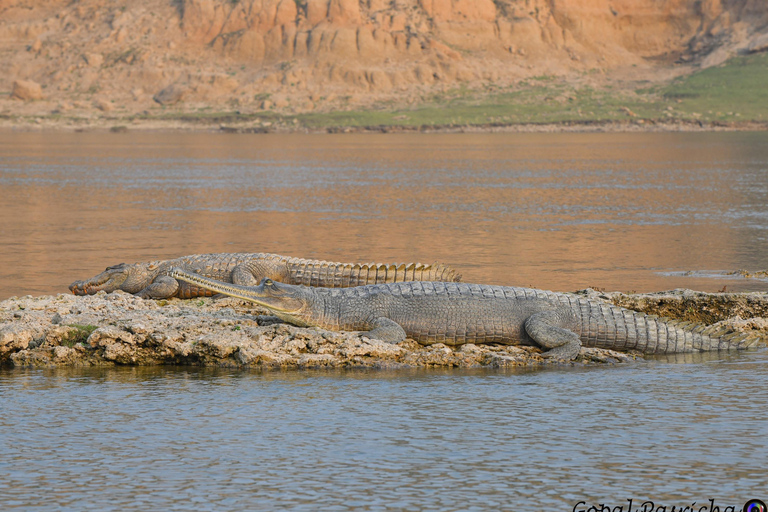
(304, 55)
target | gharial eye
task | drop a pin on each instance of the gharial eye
(268, 282)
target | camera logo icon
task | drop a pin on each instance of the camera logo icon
(755, 506)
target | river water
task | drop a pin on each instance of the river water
(558, 211)
(555, 211)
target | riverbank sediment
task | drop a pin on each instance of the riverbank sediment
(258, 125)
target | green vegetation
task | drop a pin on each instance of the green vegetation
(733, 92)
(79, 334)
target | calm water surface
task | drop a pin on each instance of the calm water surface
(159, 439)
(615, 211)
(555, 211)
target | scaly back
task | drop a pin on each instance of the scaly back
(600, 324)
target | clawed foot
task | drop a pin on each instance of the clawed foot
(567, 352)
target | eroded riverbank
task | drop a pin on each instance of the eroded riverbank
(120, 329)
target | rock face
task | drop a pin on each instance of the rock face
(118, 328)
(238, 52)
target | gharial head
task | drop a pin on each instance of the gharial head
(286, 301)
(129, 278)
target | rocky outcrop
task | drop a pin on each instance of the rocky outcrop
(170, 95)
(323, 54)
(121, 329)
(26, 90)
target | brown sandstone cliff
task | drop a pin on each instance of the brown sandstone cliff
(299, 55)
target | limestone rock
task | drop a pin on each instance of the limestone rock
(14, 337)
(170, 95)
(759, 44)
(26, 90)
(717, 57)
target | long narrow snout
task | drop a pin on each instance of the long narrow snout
(277, 297)
(249, 293)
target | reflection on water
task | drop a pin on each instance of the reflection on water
(555, 211)
(186, 439)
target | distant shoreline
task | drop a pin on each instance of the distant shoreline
(730, 97)
(122, 125)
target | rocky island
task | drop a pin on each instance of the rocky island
(121, 329)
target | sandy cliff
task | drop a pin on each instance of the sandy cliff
(301, 55)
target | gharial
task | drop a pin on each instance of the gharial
(458, 313)
(153, 280)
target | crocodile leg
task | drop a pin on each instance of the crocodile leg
(549, 329)
(386, 330)
(162, 287)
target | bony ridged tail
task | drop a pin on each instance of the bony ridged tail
(727, 338)
(684, 336)
(337, 275)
